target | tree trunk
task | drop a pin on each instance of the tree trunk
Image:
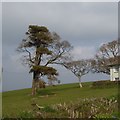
(80, 84)
(35, 83)
(33, 87)
(35, 73)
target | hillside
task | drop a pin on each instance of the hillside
(17, 101)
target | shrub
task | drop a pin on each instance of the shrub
(83, 108)
(48, 109)
(105, 84)
(88, 108)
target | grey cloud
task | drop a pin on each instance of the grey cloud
(79, 20)
(78, 51)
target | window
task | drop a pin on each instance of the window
(117, 78)
(116, 69)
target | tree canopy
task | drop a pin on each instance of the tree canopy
(106, 55)
(79, 68)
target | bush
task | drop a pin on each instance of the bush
(89, 108)
(105, 84)
(48, 109)
(96, 108)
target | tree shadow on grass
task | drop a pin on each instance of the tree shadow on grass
(57, 89)
(54, 90)
(45, 92)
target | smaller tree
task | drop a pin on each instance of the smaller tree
(79, 68)
(59, 81)
(51, 79)
(41, 84)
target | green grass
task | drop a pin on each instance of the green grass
(17, 101)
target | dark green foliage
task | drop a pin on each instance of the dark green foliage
(43, 50)
(35, 28)
(48, 109)
(105, 84)
(44, 70)
(39, 35)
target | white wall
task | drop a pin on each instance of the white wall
(114, 74)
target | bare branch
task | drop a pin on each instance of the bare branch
(29, 53)
(108, 53)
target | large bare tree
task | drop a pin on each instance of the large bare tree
(42, 48)
(107, 54)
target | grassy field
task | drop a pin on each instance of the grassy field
(17, 101)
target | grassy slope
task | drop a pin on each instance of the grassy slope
(20, 100)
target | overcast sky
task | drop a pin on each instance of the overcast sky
(85, 25)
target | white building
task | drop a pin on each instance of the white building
(115, 72)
